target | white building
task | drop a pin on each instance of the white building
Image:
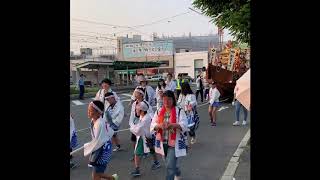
(190, 62)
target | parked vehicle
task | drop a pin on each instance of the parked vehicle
(156, 77)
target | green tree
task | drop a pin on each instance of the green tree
(231, 14)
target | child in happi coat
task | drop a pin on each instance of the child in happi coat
(145, 140)
(100, 148)
(73, 139)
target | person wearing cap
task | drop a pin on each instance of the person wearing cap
(214, 103)
(149, 95)
(170, 124)
(100, 147)
(144, 143)
(114, 114)
(134, 118)
(105, 88)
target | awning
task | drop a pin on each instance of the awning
(94, 64)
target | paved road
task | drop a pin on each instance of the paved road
(207, 159)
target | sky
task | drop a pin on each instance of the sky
(96, 23)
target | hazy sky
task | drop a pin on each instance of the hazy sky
(132, 13)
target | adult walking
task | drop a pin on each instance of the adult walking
(187, 101)
(239, 106)
(81, 86)
(180, 81)
(199, 88)
(170, 123)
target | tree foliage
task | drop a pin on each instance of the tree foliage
(231, 14)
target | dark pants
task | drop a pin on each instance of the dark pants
(81, 92)
(201, 94)
(178, 93)
(206, 92)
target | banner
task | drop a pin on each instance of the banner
(231, 59)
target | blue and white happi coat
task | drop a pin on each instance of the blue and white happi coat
(181, 140)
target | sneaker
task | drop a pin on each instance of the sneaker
(244, 123)
(116, 149)
(155, 165)
(115, 176)
(236, 123)
(177, 178)
(214, 124)
(135, 173)
(193, 140)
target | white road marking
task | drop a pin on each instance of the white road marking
(82, 130)
(77, 102)
(234, 161)
(223, 107)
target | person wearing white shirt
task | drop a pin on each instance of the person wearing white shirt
(171, 84)
(187, 101)
(139, 96)
(99, 148)
(114, 114)
(105, 88)
(214, 103)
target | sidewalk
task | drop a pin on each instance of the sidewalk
(243, 170)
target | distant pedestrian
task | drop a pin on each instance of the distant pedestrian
(206, 89)
(81, 86)
(162, 86)
(170, 83)
(239, 106)
(100, 147)
(199, 88)
(214, 103)
(180, 81)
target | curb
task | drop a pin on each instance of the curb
(234, 161)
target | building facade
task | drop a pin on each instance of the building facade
(137, 50)
(190, 62)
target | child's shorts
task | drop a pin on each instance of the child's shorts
(215, 104)
(99, 168)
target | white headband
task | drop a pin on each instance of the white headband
(140, 91)
(96, 107)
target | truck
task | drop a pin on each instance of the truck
(225, 68)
